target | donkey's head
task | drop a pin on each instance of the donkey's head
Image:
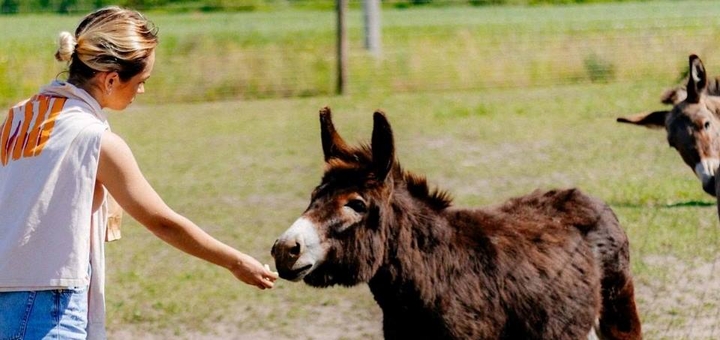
(692, 126)
(339, 239)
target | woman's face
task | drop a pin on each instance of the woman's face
(123, 93)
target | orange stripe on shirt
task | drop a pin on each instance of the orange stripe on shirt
(22, 136)
(49, 124)
(4, 136)
(33, 138)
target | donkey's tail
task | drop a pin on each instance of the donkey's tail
(619, 319)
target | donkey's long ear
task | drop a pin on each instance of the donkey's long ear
(697, 81)
(653, 120)
(333, 145)
(383, 146)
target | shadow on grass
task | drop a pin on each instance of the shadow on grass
(669, 205)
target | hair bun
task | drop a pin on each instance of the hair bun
(66, 46)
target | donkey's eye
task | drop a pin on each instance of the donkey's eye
(357, 205)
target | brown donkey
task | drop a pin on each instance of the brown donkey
(549, 265)
(692, 125)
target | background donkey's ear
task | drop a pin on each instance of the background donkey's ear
(653, 120)
(333, 145)
(383, 146)
(673, 96)
(697, 81)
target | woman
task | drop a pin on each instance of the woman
(58, 162)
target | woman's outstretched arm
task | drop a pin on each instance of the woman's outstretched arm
(119, 172)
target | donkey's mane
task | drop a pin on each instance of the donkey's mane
(418, 187)
(355, 158)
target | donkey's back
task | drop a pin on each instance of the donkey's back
(562, 245)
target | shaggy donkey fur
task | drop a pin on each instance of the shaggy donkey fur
(549, 265)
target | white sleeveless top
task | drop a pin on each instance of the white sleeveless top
(49, 152)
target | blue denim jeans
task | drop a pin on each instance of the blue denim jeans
(45, 314)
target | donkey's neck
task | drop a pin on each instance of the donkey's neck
(403, 285)
(421, 252)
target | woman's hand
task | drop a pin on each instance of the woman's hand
(252, 272)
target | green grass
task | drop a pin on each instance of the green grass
(244, 171)
(291, 53)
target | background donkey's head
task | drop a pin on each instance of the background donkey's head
(692, 126)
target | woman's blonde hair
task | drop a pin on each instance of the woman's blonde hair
(109, 39)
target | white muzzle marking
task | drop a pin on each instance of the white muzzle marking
(304, 231)
(706, 169)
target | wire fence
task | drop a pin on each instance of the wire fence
(463, 48)
(81, 6)
(292, 53)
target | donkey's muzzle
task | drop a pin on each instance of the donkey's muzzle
(286, 253)
(709, 186)
(706, 170)
(298, 250)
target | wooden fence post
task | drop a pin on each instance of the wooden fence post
(342, 46)
(372, 26)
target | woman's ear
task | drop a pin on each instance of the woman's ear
(110, 81)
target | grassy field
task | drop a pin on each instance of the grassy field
(480, 103)
(244, 171)
(291, 53)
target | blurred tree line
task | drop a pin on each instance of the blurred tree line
(69, 6)
(73, 6)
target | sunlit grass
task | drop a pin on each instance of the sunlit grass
(291, 53)
(244, 171)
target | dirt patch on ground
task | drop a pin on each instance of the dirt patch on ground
(683, 302)
(330, 322)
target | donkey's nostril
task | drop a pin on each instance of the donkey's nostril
(274, 247)
(295, 251)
